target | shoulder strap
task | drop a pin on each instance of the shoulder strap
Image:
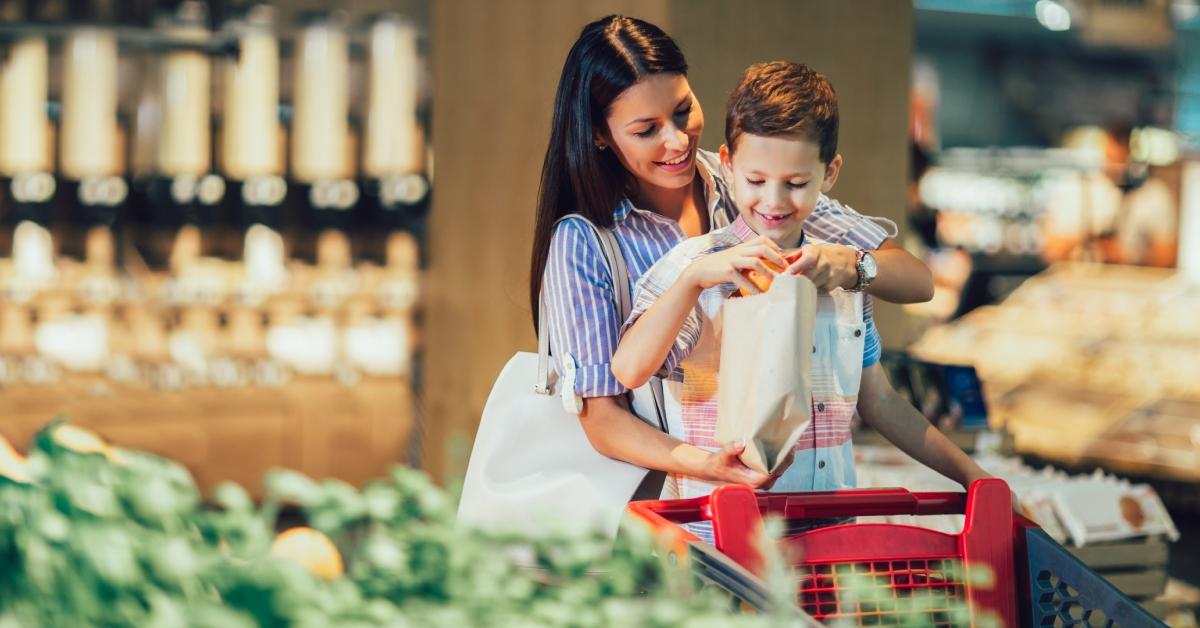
(622, 291)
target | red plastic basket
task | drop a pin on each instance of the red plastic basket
(897, 561)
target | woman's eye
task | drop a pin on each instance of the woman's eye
(646, 133)
(684, 113)
(754, 181)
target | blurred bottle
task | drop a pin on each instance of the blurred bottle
(322, 147)
(183, 189)
(26, 145)
(394, 142)
(92, 151)
(251, 135)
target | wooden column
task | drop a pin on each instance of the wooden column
(495, 69)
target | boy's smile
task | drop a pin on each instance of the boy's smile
(776, 183)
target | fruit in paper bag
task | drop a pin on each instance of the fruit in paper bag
(761, 280)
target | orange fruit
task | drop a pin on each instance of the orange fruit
(761, 280)
(13, 465)
(309, 549)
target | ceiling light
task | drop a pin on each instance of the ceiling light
(1053, 15)
(1184, 10)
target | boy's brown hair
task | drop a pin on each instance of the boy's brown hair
(785, 99)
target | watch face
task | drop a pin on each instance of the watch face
(869, 266)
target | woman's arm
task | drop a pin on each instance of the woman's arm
(618, 434)
(902, 278)
(883, 409)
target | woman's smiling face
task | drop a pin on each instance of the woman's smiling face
(654, 129)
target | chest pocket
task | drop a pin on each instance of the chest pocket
(839, 337)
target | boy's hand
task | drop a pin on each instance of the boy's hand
(724, 466)
(727, 266)
(828, 266)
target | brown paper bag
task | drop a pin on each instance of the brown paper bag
(765, 396)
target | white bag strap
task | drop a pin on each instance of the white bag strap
(622, 291)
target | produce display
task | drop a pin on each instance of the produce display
(1107, 354)
(93, 534)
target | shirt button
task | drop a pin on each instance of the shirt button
(820, 407)
(857, 333)
(821, 464)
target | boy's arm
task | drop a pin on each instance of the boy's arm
(664, 325)
(670, 323)
(883, 409)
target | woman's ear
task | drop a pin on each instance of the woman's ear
(599, 140)
(831, 174)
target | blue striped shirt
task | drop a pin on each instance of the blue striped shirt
(577, 290)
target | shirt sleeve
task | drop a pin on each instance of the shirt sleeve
(580, 309)
(832, 221)
(650, 288)
(873, 343)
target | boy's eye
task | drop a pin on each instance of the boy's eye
(797, 185)
(754, 181)
(645, 133)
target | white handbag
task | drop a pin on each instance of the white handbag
(532, 469)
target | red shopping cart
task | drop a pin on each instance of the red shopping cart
(884, 574)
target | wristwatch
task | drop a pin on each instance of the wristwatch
(867, 270)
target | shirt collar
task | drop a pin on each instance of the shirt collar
(712, 193)
(623, 209)
(742, 230)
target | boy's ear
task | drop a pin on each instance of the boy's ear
(726, 162)
(831, 174)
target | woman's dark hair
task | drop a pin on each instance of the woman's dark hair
(610, 55)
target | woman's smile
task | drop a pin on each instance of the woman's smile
(679, 163)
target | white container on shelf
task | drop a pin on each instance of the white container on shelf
(392, 139)
(250, 135)
(185, 136)
(25, 145)
(320, 124)
(89, 137)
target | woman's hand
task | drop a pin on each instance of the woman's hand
(724, 466)
(727, 266)
(828, 266)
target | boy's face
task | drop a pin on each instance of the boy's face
(776, 182)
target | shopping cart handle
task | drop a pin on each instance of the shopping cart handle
(861, 503)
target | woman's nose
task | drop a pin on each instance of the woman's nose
(677, 138)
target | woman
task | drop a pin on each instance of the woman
(624, 152)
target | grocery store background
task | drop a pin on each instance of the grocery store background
(223, 240)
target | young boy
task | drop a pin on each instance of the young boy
(780, 155)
